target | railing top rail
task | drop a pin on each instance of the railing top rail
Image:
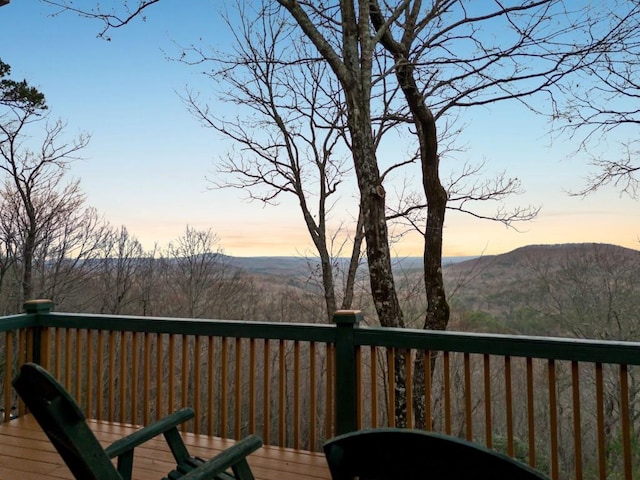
(191, 326)
(595, 351)
(14, 322)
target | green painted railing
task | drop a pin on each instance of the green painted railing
(566, 406)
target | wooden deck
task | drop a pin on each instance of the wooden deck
(25, 453)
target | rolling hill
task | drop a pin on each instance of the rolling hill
(512, 292)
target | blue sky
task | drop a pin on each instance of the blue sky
(148, 160)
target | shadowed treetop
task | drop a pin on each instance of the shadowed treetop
(19, 94)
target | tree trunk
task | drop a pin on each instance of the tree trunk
(383, 288)
(353, 68)
(27, 267)
(354, 261)
(327, 282)
(437, 315)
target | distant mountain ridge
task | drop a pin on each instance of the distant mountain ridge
(505, 272)
(291, 264)
(502, 293)
(548, 251)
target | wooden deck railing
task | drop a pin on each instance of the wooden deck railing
(568, 407)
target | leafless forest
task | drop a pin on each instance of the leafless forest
(583, 291)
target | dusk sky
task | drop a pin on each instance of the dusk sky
(148, 161)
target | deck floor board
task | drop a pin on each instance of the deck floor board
(25, 453)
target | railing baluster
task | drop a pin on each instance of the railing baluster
(123, 376)
(531, 414)
(146, 381)
(602, 445)
(238, 389)
(252, 386)
(374, 385)
(89, 379)
(577, 430)
(160, 369)
(223, 388)
(26, 351)
(184, 393)
(266, 394)
(78, 361)
(467, 397)
(210, 385)
(446, 366)
(135, 372)
(625, 423)
(296, 394)
(57, 354)
(428, 358)
(112, 376)
(406, 353)
(25, 338)
(282, 388)
(391, 389)
(359, 383)
(67, 360)
(553, 421)
(330, 355)
(488, 417)
(312, 396)
(46, 348)
(8, 372)
(508, 404)
(100, 376)
(197, 399)
(172, 372)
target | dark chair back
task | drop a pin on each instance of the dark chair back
(394, 453)
(64, 423)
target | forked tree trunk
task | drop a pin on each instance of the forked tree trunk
(437, 316)
(353, 68)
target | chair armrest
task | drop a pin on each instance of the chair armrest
(234, 457)
(148, 432)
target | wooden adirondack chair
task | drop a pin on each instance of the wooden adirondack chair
(407, 454)
(66, 426)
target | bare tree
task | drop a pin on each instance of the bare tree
(121, 263)
(198, 273)
(289, 128)
(8, 254)
(34, 186)
(69, 253)
(602, 105)
(150, 273)
(69, 239)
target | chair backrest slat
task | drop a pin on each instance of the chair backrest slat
(64, 423)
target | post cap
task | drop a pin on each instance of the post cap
(38, 306)
(345, 317)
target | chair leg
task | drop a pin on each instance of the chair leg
(125, 465)
(242, 471)
(177, 446)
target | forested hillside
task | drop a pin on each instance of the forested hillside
(584, 290)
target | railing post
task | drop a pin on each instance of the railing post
(37, 307)
(346, 371)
